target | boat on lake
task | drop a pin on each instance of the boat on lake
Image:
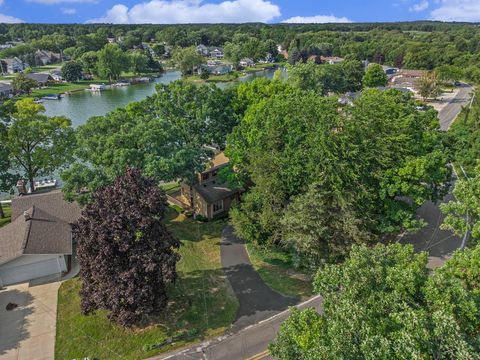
(121, 84)
(97, 87)
(45, 184)
(52, 97)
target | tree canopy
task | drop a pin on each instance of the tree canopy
(164, 136)
(381, 303)
(374, 76)
(463, 213)
(37, 144)
(111, 62)
(187, 60)
(126, 254)
(368, 159)
(72, 71)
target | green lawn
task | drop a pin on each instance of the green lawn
(8, 215)
(276, 269)
(170, 187)
(59, 88)
(202, 303)
(46, 67)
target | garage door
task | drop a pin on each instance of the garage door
(22, 273)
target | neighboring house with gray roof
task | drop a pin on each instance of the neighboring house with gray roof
(6, 90)
(45, 57)
(12, 65)
(41, 78)
(38, 241)
(209, 197)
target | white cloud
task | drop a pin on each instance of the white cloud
(7, 19)
(69, 11)
(191, 11)
(317, 19)
(421, 6)
(457, 10)
(53, 2)
(2, 2)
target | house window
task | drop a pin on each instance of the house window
(205, 176)
(218, 206)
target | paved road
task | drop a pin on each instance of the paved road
(453, 108)
(251, 343)
(439, 244)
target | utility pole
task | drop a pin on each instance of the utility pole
(467, 231)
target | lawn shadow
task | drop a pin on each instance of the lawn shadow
(201, 300)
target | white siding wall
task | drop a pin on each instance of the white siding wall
(28, 267)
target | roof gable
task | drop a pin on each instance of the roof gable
(51, 202)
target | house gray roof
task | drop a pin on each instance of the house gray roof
(12, 237)
(46, 53)
(39, 77)
(10, 61)
(4, 87)
(51, 202)
(45, 230)
(212, 191)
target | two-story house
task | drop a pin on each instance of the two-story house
(13, 65)
(209, 197)
(44, 57)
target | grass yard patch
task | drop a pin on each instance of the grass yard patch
(202, 304)
(170, 188)
(8, 215)
(58, 88)
(276, 270)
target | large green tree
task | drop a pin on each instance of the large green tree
(377, 161)
(7, 173)
(429, 86)
(72, 71)
(321, 225)
(326, 78)
(375, 76)
(164, 136)
(381, 304)
(89, 61)
(463, 213)
(23, 85)
(111, 62)
(38, 144)
(138, 62)
(187, 59)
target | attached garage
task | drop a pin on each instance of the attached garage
(29, 267)
(39, 239)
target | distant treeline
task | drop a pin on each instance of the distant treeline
(416, 45)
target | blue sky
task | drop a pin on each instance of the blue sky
(211, 11)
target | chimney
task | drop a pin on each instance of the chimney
(26, 215)
(22, 190)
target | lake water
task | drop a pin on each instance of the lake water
(82, 105)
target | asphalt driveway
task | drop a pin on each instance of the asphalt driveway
(28, 331)
(257, 301)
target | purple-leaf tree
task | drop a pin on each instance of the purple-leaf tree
(126, 254)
